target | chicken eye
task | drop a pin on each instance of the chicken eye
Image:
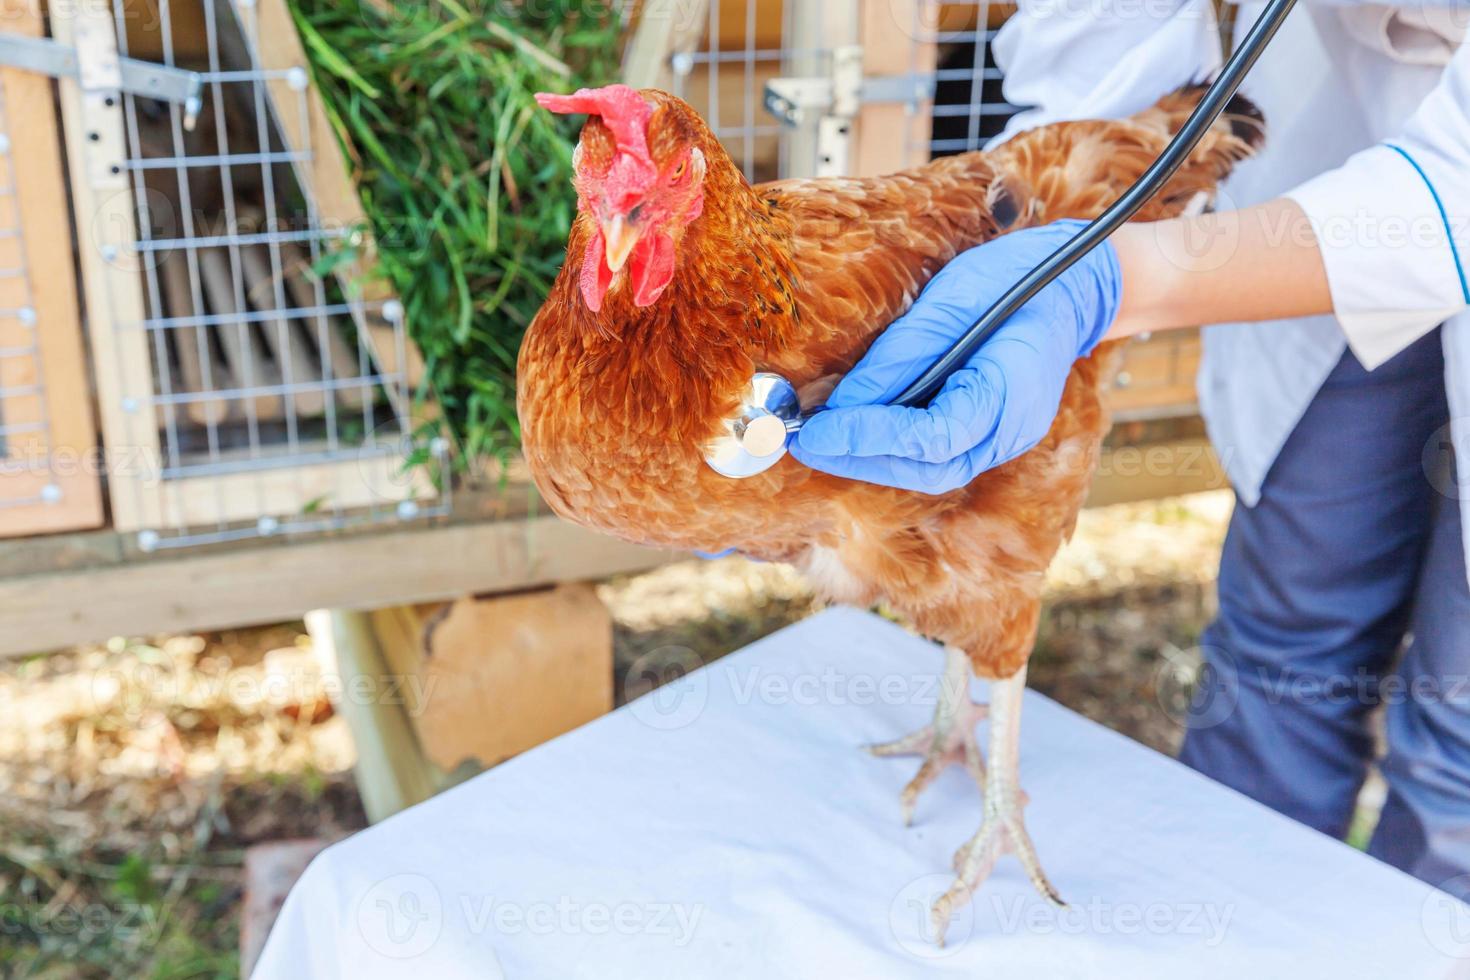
(679, 170)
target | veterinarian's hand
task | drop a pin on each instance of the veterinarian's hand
(998, 405)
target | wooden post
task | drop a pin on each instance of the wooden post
(392, 773)
(898, 39)
(665, 28)
(810, 29)
(435, 693)
(494, 676)
(102, 199)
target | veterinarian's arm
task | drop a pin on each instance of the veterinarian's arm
(1260, 263)
(1382, 242)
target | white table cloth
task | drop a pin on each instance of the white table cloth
(730, 826)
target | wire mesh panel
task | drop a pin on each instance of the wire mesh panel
(719, 55)
(804, 88)
(969, 106)
(48, 466)
(268, 389)
(747, 44)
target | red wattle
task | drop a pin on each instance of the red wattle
(651, 268)
(596, 276)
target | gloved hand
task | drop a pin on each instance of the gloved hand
(998, 405)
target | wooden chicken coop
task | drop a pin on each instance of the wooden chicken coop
(206, 402)
(239, 392)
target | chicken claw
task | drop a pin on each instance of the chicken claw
(1002, 828)
(948, 739)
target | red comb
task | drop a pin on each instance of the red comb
(622, 109)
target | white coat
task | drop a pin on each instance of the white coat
(1368, 130)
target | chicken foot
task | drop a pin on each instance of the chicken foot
(948, 739)
(1002, 827)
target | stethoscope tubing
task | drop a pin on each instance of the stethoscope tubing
(923, 389)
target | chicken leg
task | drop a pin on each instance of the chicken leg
(948, 739)
(1002, 827)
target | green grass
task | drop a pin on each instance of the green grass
(1365, 821)
(64, 915)
(466, 183)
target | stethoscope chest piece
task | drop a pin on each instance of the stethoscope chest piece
(754, 437)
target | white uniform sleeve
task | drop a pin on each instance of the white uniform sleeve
(1393, 223)
(1101, 59)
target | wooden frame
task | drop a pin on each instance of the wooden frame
(664, 28)
(49, 474)
(1167, 466)
(142, 498)
(129, 594)
(1157, 377)
(889, 136)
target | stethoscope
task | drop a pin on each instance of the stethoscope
(755, 437)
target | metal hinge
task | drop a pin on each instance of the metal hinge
(830, 104)
(801, 101)
(123, 74)
(795, 101)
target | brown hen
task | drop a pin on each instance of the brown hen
(682, 280)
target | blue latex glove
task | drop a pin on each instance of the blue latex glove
(998, 405)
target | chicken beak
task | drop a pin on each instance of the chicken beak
(618, 238)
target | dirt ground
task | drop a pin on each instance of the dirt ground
(1126, 600)
(133, 774)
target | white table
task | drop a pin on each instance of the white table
(730, 826)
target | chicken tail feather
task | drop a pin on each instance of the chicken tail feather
(1076, 169)
(1244, 119)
